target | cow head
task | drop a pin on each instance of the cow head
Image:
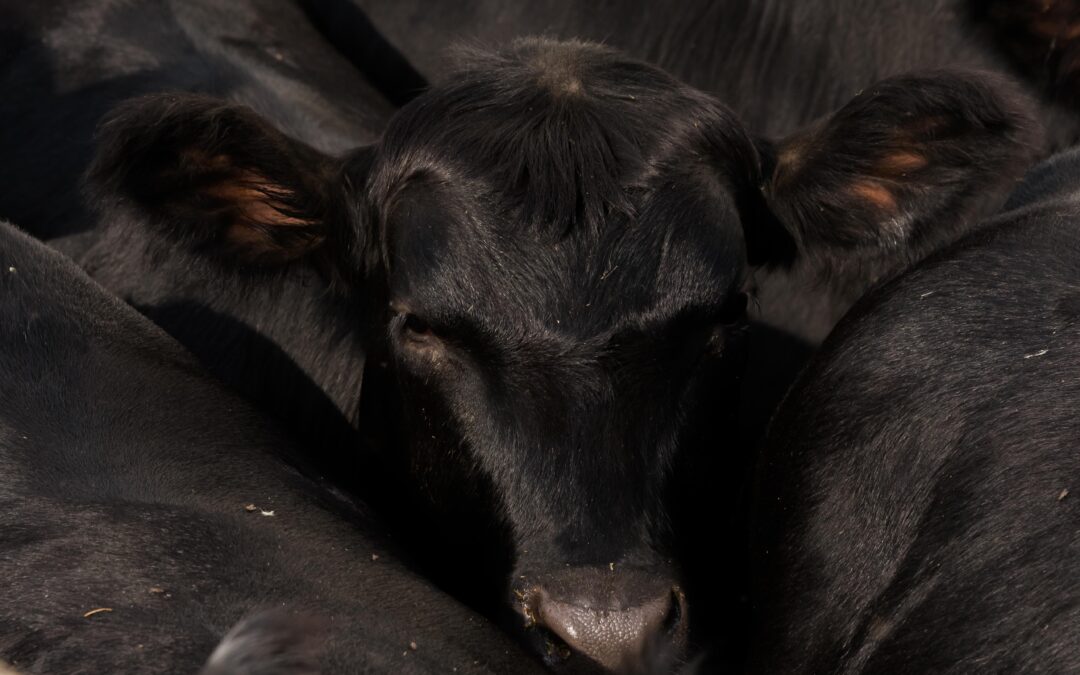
(559, 243)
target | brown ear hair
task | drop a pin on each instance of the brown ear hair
(906, 165)
(215, 175)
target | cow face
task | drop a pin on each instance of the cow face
(564, 380)
(565, 298)
(558, 242)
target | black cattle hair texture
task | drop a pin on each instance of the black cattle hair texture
(916, 481)
(270, 642)
(1042, 37)
(213, 174)
(576, 131)
(566, 139)
(887, 168)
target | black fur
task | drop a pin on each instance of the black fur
(353, 34)
(128, 543)
(855, 187)
(64, 64)
(915, 501)
(279, 338)
(195, 165)
(780, 64)
(269, 642)
(858, 180)
(554, 245)
(1042, 37)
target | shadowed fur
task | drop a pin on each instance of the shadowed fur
(915, 497)
(557, 160)
(269, 643)
(1042, 37)
(556, 243)
(779, 64)
(126, 474)
(213, 174)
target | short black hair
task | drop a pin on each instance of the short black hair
(574, 129)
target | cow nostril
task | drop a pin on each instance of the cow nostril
(673, 622)
(614, 635)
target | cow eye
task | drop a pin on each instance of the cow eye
(417, 341)
(415, 328)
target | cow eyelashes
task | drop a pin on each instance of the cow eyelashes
(417, 342)
(415, 329)
(455, 336)
(415, 326)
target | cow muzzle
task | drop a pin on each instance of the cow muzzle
(617, 618)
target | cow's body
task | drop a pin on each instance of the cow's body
(779, 64)
(916, 501)
(65, 64)
(283, 342)
(146, 510)
(552, 252)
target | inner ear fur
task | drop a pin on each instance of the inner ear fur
(215, 175)
(907, 165)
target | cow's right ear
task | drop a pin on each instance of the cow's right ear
(905, 166)
(216, 177)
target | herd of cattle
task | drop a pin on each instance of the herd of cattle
(383, 336)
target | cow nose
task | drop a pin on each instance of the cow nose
(614, 619)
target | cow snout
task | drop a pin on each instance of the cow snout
(618, 619)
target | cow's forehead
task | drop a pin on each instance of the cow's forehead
(583, 282)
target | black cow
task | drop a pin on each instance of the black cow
(285, 343)
(917, 498)
(64, 64)
(146, 509)
(778, 64)
(555, 244)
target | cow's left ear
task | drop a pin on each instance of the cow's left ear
(904, 166)
(217, 177)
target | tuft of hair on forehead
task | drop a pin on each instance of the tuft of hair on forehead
(558, 134)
